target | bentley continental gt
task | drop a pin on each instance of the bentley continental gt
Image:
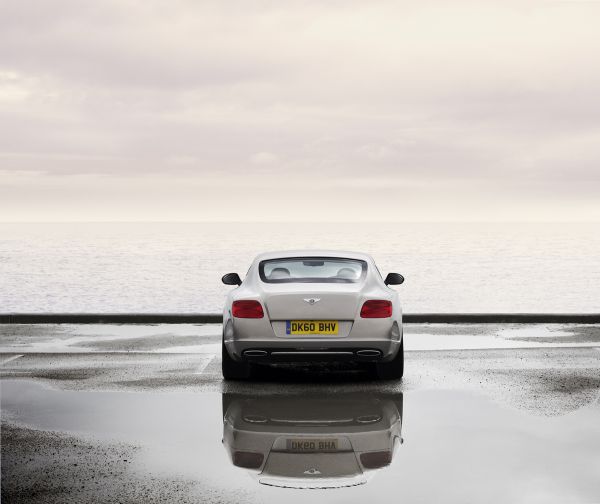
(312, 306)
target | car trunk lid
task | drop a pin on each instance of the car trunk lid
(311, 301)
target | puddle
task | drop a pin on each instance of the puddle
(107, 338)
(346, 447)
(499, 336)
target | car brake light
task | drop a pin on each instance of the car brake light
(376, 308)
(248, 460)
(375, 460)
(248, 308)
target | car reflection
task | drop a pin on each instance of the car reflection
(323, 441)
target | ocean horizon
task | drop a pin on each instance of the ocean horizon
(122, 267)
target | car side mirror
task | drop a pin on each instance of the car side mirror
(393, 279)
(231, 279)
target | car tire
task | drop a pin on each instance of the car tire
(231, 369)
(392, 370)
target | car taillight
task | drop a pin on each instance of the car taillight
(375, 460)
(376, 308)
(248, 460)
(247, 309)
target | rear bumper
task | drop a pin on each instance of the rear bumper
(313, 350)
(365, 340)
(320, 355)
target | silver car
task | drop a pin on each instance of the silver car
(312, 306)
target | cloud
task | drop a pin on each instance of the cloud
(264, 158)
(467, 99)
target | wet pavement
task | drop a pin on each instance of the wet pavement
(140, 414)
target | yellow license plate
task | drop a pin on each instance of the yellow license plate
(312, 445)
(303, 327)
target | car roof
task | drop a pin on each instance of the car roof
(282, 254)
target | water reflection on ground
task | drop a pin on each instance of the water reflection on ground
(313, 441)
(189, 446)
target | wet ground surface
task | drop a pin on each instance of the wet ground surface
(140, 414)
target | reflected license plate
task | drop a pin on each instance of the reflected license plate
(303, 327)
(312, 445)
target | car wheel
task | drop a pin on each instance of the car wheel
(394, 369)
(233, 370)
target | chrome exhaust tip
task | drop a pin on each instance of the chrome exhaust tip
(255, 353)
(368, 353)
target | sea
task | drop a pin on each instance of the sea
(176, 267)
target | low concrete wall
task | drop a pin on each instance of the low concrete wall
(214, 318)
(111, 318)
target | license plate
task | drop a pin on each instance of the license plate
(326, 327)
(312, 445)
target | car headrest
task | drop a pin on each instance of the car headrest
(347, 273)
(279, 273)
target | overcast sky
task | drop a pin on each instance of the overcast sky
(299, 110)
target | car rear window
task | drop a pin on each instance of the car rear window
(312, 270)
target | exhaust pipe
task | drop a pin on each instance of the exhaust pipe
(368, 353)
(255, 353)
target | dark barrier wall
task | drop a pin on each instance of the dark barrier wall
(213, 318)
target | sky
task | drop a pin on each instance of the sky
(299, 110)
